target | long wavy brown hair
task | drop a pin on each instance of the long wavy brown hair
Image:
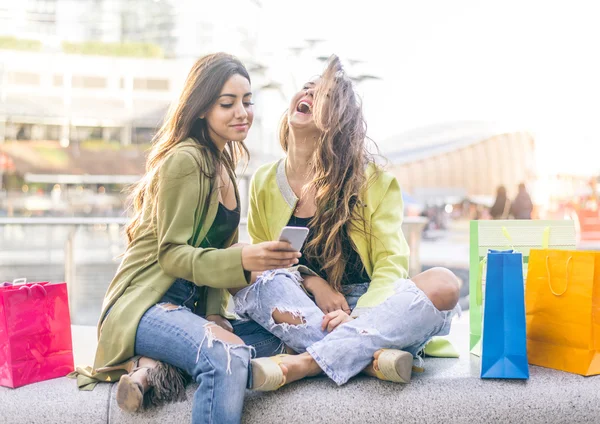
(201, 90)
(338, 167)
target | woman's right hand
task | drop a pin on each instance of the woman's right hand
(269, 255)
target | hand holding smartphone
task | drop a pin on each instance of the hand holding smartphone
(294, 235)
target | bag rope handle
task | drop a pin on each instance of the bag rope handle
(545, 244)
(508, 237)
(546, 238)
(479, 288)
(550, 279)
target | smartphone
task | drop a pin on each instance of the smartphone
(294, 235)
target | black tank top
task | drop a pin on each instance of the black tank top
(225, 223)
(354, 273)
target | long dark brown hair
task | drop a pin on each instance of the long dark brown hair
(338, 167)
(201, 90)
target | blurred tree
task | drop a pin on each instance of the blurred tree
(114, 49)
(12, 43)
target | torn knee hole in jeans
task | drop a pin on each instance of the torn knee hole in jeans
(267, 276)
(230, 348)
(169, 307)
(256, 290)
(288, 317)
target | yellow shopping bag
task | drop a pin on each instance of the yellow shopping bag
(562, 297)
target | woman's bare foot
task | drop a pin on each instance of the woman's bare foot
(297, 367)
(373, 366)
(293, 367)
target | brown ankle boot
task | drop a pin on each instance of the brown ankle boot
(165, 383)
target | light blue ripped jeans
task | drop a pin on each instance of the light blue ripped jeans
(185, 340)
(407, 320)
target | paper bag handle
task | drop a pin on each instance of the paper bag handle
(30, 289)
(479, 288)
(545, 237)
(550, 280)
(508, 237)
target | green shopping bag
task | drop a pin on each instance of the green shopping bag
(520, 235)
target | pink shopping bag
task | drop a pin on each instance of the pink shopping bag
(35, 333)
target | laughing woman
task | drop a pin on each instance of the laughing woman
(359, 311)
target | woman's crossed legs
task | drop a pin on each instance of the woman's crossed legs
(418, 310)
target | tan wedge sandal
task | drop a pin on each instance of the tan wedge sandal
(394, 365)
(267, 375)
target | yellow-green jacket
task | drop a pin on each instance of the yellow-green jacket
(384, 251)
(161, 253)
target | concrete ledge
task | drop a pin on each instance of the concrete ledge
(450, 391)
(53, 402)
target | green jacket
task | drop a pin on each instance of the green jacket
(163, 251)
(384, 254)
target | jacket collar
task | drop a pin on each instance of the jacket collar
(284, 186)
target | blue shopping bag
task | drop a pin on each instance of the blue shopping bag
(504, 344)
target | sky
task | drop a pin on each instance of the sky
(530, 64)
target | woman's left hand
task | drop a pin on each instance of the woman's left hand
(334, 319)
(221, 322)
(327, 298)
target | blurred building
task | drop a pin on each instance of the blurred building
(51, 96)
(57, 96)
(464, 160)
(69, 119)
(76, 119)
(182, 28)
(86, 120)
(55, 21)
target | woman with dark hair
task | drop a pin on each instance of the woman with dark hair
(522, 206)
(354, 307)
(168, 299)
(501, 207)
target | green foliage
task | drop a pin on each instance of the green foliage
(12, 43)
(101, 145)
(54, 156)
(113, 49)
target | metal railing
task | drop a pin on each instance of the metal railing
(412, 227)
(73, 224)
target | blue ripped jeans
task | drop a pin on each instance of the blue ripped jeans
(407, 320)
(183, 339)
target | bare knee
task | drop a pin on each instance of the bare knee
(168, 306)
(287, 317)
(224, 335)
(440, 285)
